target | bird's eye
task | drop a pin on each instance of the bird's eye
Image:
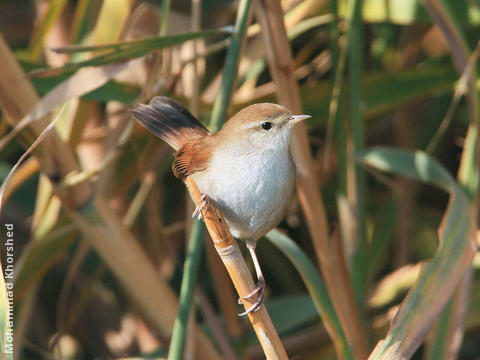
(266, 125)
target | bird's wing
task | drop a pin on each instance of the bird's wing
(191, 157)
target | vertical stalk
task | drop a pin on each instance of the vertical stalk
(334, 125)
(181, 345)
(355, 175)
(190, 271)
(164, 17)
(220, 107)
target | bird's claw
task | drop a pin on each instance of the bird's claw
(259, 291)
(200, 205)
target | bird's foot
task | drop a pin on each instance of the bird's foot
(259, 291)
(200, 205)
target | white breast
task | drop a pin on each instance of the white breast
(251, 189)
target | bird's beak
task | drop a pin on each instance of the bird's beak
(294, 119)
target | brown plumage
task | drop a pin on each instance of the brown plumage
(245, 169)
(191, 157)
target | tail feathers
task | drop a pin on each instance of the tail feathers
(170, 121)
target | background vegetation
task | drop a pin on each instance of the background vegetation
(383, 262)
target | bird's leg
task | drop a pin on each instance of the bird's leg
(260, 287)
(200, 205)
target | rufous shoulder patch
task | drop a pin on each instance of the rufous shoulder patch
(190, 158)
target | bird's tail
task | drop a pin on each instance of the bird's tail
(170, 121)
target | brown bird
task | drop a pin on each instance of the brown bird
(245, 169)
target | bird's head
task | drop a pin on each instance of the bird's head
(264, 125)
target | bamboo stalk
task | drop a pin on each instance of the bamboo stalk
(232, 258)
(270, 16)
(225, 294)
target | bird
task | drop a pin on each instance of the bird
(245, 169)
